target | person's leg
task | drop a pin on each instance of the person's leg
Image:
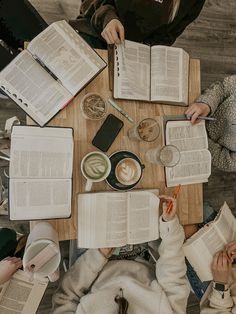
(19, 22)
(8, 242)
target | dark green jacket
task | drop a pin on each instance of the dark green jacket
(142, 19)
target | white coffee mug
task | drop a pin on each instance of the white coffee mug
(95, 166)
(43, 238)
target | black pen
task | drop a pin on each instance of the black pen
(46, 68)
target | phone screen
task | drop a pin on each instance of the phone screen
(107, 133)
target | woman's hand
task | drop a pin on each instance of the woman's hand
(8, 266)
(106, 252)
(230, 249)
(221, 267)
(169, 207)
(197, 109)
(114, 32)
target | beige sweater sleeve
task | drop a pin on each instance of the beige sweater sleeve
(77, 281)
(171, 267)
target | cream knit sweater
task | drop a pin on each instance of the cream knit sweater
(91, 285)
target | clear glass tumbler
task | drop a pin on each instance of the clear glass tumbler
(167, 156)
(146, 130)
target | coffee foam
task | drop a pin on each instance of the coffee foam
(128, 171)
(95, 166)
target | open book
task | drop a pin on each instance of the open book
(21, 294)
(202, 246)
(114, 219)
(57, 64)
(195, 159)
(41, 162)
(156, 73)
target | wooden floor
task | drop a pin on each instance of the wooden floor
(212, 39)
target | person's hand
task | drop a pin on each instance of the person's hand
(197, 109)
(230, 249)
(221, 267)
(106, 252)
(169, 207)
(8, 266)
(114, 32)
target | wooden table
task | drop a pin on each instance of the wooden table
(190, 200)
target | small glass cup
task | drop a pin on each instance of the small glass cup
(167, 156)
(93, 106)
(146, 130)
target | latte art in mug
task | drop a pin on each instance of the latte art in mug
(95, 166)
(128, 171)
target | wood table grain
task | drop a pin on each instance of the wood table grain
(190, 199)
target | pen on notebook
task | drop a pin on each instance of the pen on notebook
(175, 194)
(125, 114)
(201, 118)
(46, 68)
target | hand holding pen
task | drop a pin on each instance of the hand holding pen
(169, 204)
(197, 112)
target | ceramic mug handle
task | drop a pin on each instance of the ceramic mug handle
(88, 186)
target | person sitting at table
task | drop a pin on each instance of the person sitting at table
(96, 285)
(19, 22)
(153, 22)
(219, 101)
(11, 253)
(221, 297)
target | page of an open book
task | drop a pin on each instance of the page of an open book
(20, 295)
(41, 152)
(102, 220)
(40, 199)
(33, 89)
(67, 55)
(169, 74)
(132, 71)
(143, 217)
(195, 160)
(204, 243)
(225, 225)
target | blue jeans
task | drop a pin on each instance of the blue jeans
(199, 287)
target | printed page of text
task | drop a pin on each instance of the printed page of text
(169, 73)
(40, 199)
(185, 136)
(32, 88)
(41, 152)
(68, 56)
(225, 225)
(193, 167)
(143, 217)
(102, 220)
(20, 295)
(132, 71)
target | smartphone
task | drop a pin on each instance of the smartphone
(107, 133)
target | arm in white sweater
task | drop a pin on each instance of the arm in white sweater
(77, 281)
(171, 268)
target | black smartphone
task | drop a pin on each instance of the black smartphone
(107, 133)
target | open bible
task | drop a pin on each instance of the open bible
(202, 246)
(57, 64)
(195, 159)
(21, 294)
(156, 73)
(40, 185)
(114, 219)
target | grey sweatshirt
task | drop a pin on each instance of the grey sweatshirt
(91, 285)
(221, 97)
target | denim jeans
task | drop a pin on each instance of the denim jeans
(199, 287)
